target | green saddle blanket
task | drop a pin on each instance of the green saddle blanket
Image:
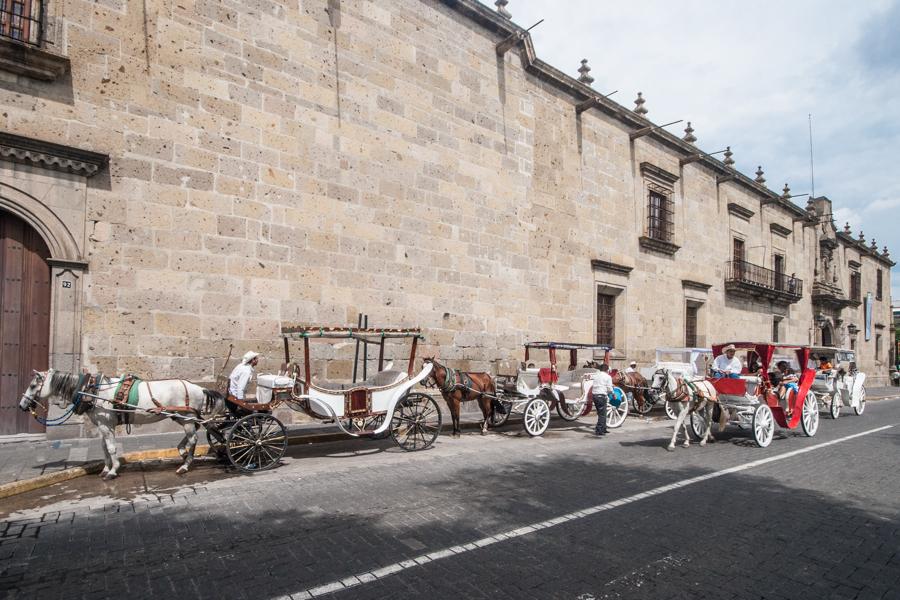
(133, 392)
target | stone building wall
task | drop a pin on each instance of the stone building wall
(274, 161)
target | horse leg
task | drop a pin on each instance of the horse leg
(190, 437)
(453, 404)
(678, 423)
(108, 439)
(485, 403)
(706, 415)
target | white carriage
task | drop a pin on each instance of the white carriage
(842, 385)
(681, 362)
(535, 391)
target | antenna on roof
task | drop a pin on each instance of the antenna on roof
(812, 173)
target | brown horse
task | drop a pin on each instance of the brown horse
(457, 387)
(633, 383)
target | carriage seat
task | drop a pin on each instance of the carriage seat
(380, 379)
(728, 386)
(547, 375)
(527, 381)
(572, 380)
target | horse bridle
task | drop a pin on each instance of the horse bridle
(31, 399)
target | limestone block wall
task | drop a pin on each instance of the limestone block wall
(273, 162)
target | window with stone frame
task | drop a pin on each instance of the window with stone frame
(855, 286)
(606, 318)
(20, 20)
(879, 282)
(660, 214)
(776, 330)
(690, 325)
(877, 346)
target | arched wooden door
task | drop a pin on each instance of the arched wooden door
(24, 319)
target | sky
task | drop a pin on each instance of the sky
(748, 75)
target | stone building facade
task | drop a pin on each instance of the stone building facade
(203, 171)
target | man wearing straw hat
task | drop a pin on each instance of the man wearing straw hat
(241, 375)
(727, 364)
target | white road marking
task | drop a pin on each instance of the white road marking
(387, 571)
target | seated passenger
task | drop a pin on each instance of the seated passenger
(825, 364)
(754, 365)
(727, 364)
(787, 381)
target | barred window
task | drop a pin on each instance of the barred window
(690, 326)
(606, 319)
(879, 280)
(660, 224)
(20, 20)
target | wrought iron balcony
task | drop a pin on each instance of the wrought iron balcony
(746, 279)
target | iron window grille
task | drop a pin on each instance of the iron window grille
(22, 21)
(660, 215)
(690, 327)
(606, 319)
(855, 287)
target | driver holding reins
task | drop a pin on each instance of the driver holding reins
(727, 364)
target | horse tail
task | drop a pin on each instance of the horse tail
(215, 402)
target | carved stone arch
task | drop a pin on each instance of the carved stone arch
(42, 219)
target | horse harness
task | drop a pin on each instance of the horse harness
(458, 380)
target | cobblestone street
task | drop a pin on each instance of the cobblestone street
(811, 518)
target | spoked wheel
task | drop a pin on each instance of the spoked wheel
(416, 422)
(835, 408)
(647, 405)
(615, 415)
(809, 420)
(672, 409)
(763, 425)
(256, 442)
(698, 426)
(861, 402)
(498, 418)
(536, 417)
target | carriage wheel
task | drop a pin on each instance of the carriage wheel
(648, 405)
(416, 422)
(256, 442)
(672, 409)
(763, 425)
(809, 421)
(835, 408)
(615, 415)
(498, 419)
(860, 402)
(536, 417)
(698, 426)
(570, 411)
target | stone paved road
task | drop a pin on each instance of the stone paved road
(817, 524)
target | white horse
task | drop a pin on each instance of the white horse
(182, 401)
(694, 395)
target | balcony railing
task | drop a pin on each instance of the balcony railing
(746, 278)
(21, 20)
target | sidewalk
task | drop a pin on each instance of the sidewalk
(26, 457)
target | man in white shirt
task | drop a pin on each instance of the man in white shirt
(241, 375)
(601, 390)
(632, 367)
(727, 364)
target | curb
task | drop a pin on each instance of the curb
(22, 486)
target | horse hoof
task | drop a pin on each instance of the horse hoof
(103, 473)
(686, 445)
(670, 449)
(110, 476)
(483, 432)
(456, 434)
(181, 470)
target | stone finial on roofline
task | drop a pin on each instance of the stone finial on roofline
(786, 192)
(759, 176)
(886, 253)
(862, 236)
(501, 8)
(639, 107)
(689, 136)
(729, 162)
(874, 245)
(847, 227)
(585, 71)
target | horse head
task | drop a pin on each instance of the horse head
(39, 388)
(431, 380)
(664, 380)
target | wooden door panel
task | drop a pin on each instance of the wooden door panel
(24, 318)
